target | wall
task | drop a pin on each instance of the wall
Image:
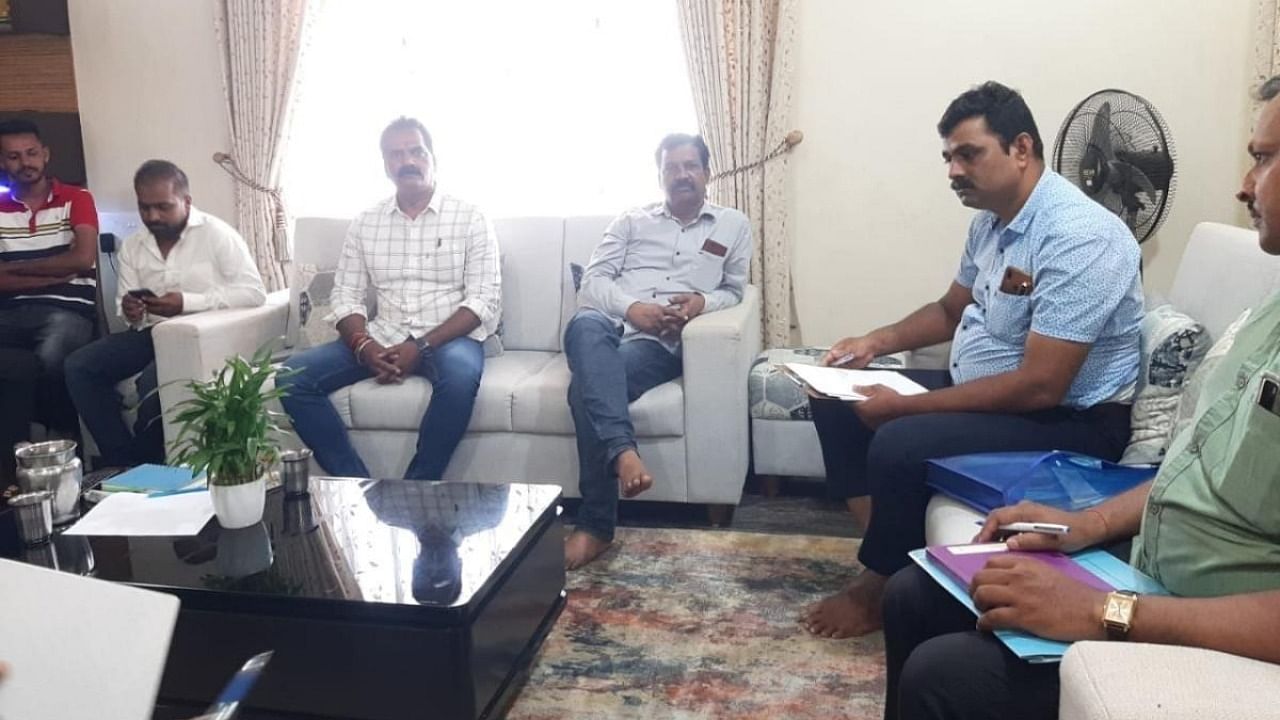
(150, 86)
(878, 232)
(38, 73)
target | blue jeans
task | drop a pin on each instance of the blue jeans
(454, 370)
(92, 374)
(608, 375)
(52, 333)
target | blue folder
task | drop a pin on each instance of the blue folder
(1116, 572)
(153, 480)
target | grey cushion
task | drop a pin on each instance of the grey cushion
(1173, 345)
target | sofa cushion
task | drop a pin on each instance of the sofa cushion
(1186, 410)
(370, 406)
(542, 405)
(1173, 345)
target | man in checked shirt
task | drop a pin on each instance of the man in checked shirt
(658, 267)
(432, 261)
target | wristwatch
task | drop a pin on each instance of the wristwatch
(1117, 615)
(424, 346)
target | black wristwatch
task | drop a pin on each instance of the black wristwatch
(424, 347)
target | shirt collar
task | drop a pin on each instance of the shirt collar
(1029, 208)
(708, 210)
(434, 205)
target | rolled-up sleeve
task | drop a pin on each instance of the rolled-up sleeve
(482, 273)
(351, 278)
(600, 289)
(736, 269)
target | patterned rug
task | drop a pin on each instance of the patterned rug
(702, 624)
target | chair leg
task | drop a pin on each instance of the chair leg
(720, 515)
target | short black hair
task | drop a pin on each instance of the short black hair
(1002, 107)
(405, 122)
(20, 127)
(161, 171)
(675, 140)
(1269, 89)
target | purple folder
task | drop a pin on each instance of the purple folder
(963, 566)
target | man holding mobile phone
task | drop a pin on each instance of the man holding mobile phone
(1207, 528)
(184, 261)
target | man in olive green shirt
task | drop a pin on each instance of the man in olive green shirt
(1208, 529)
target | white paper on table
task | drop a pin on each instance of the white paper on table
(839, 382)
(134, 514)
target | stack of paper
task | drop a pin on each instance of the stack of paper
(131, 514)
(839, 383)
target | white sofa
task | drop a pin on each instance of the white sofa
(1222, 272)
(692, 432)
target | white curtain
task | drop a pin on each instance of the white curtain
(260, 43)
(739, 54)
(1266, 47)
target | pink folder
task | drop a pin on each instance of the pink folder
(962, 566)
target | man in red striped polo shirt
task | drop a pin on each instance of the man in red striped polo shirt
(48, 246)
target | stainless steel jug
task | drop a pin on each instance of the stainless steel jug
(54, 468)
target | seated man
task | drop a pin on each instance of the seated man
(433, 262)
(48, 247)
(1208, 530)
(184, 262)
(1044, 318)
(658, 267)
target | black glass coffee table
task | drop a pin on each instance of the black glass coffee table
(381, 599)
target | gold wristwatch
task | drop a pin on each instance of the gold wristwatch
(1117, 614)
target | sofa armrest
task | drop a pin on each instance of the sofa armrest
(1134, 681)
(194, 347)
(719, 348)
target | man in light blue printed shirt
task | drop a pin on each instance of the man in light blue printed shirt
(658, 267)
(1044, 316)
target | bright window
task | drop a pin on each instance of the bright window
(535, 108)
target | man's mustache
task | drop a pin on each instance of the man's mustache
(408, 170)
(961, 184)
(682, 185)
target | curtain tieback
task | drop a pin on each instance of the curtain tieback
(792, 139)
(279, 225)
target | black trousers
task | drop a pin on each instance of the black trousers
(889, 463)
(938, 666)
(19, 370)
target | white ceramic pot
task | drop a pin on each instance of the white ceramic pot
(238, 506)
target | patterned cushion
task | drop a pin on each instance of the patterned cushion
(1173, 346)
(774, 396)
(1191, 394)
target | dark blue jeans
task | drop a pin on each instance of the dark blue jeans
(93, 372)
(454, 370)
(608, 375)
(52, 333)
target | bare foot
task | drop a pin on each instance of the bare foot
(581, 547)
(852, 612)
(633, 476)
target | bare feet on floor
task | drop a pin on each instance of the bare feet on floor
(581, 547)
(852, 612)
(633, 476)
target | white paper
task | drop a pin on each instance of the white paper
(979, 549)
(80, 647)
(133, 514)
(839, 382)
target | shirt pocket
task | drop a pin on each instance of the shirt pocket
(1009, 317)
(707, 272)
(1249, 482)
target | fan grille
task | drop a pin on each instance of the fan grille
(1116, 147)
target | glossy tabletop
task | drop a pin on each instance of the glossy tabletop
(377, 548)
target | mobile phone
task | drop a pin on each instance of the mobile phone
(237, 688)
(141, 293)
(1269, 395)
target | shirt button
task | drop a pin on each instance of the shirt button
(677, 252)
(1153, 510)
(955, 365)
(1195, 448)
(1242, 380)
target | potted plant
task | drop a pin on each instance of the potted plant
(227, 431)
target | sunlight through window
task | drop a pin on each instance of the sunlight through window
(535, 108)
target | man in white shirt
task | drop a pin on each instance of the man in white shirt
(184, 262)
(658, 267)
(432, 261)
